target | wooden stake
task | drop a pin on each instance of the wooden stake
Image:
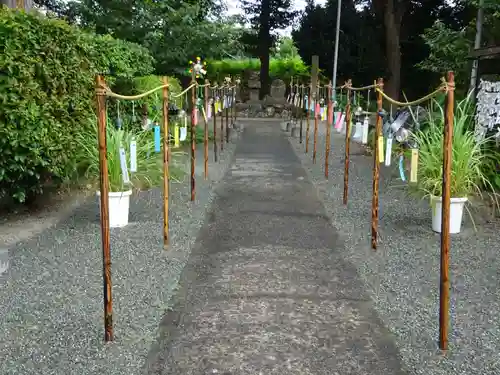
(222, 122)
(193, 136)
(206, 128)
(214, 114)
(144, 116)
(301, 112)
(290, 115)
(227, 117)
(376, 166)
(315, 141)
(166, 160)
(347, 141)
(308, 123)
(444, 285)
(104, 191)
(234, 104)
(292, 108)
(231, 110)
(328, 127)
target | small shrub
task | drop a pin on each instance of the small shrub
(468, 156)
(149, 163)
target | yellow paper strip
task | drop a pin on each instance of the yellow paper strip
(176, 136)
(380, 149)
(414, 165)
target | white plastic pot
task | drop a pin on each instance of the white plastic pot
(119, 204)
(456, 214)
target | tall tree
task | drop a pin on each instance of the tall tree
(451, 39)
(175, 31)
(285, 49)
(360, 54)
(265, 17)
(392, 13)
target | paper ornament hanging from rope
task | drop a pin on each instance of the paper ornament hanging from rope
(198, 66)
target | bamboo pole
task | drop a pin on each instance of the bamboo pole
(376, 166)
(308, 123)
(301, 112)
(293, 112)
(233, 107)
(193, 135)
(205, 138)
(214, 114)
(291, 102)
(104, 191)
(227, 115)
(348, 113)
(444, 284)
(166, 160)
(222, 121)
(144, 115)
(328, 128)
(315, 141)
(235, 113)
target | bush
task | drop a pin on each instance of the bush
(278, 68)
(47, 70)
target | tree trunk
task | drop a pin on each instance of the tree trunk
(477, 44)
(392, 23)
(264, 45)
(21, 4)
(264, 74)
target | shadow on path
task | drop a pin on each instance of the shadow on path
(267, 289)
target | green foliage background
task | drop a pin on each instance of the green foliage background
(282, 68)
(47, 73)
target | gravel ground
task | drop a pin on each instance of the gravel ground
(51, 312)
(403, 275)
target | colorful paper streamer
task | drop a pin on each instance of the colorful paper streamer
(157, 138)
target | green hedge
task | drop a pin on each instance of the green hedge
(47, 74)
(278, 68)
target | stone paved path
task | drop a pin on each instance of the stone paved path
(267, 290)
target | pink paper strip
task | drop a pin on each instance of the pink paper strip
(338, 123)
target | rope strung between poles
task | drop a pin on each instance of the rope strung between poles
(444, 87)
(374, 86)
(106, 91)
(185, 91)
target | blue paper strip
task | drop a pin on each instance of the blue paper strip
(157, 138)
(401, 169)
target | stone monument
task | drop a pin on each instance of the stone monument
(254, 87)
(278, 89)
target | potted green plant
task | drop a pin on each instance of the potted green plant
(468, 156)
(149, 170)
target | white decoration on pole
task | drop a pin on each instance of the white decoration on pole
(365, 130)
(133, 155)
(123, 164)
(358, 133)
(388, 151)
